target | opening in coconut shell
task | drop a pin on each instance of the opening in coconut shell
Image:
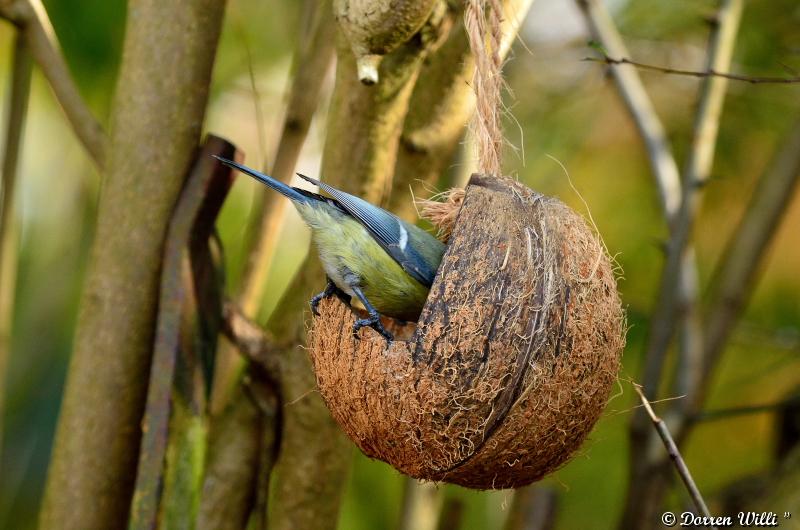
(512, 359)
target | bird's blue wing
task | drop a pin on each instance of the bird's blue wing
(391, 233)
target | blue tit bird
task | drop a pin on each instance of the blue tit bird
(367, 252)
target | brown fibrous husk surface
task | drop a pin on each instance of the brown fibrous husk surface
(512, 359)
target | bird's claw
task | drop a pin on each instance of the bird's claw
(315, 300)
(330, 290)
(374, 322)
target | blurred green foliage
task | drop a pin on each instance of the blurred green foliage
(90, 33)
(562, 107)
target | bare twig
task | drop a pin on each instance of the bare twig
(698, 169)
(675, 456)
(17, 109)
(693, 73)
(631, 89)
(31, 19)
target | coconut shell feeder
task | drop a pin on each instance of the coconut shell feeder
(518, 345)
(512, 359)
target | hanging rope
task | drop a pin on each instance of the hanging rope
(482, 21)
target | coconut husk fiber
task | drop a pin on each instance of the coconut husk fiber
(512, 359)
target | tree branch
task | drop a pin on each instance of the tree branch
(31, 19)
(232, 465)
(733, 282)
(665, 171)
(17, 110)
(422, 505)
(693, 73)
(315, 455)
(157, 115)
(379, 111)
(642, 502)
(250, 339)
(312, 58)
(264, 391)
(677, 299)
(166, 419)
(242, 448)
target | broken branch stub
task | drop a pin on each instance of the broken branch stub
(375, 28)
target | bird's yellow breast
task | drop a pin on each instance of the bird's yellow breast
(350, 254)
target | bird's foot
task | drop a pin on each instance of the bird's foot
(330, 290)
(374, 322)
